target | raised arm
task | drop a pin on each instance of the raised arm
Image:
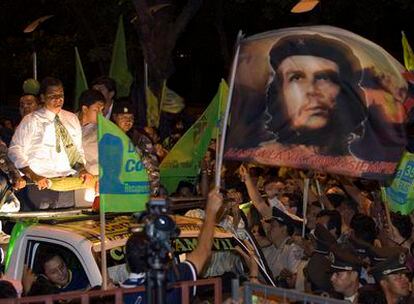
(201, 253)
(254, 194)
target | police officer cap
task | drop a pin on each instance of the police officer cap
(344, 259)
(123, 107)
(324, 239)
(317, 272)
(392, 265)
(375, 254)
(378, 255)
(284, 218)
(361, 247)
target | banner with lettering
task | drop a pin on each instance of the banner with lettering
(123, 179)
(318, 97)
(400, 193)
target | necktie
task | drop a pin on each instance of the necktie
(62, 136)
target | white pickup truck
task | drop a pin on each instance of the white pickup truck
(77, 238)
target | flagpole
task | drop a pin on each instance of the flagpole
(103, 248)
(35, 65)
(305, 205)
(102, 222)
(220, 121)
(387, 209)
(318, 188)
(146, 80)
(219, 161)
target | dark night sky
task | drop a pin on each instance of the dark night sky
(200, 58)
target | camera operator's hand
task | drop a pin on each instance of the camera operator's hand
(214, 202)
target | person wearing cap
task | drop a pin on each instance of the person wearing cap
(315, 101)
(308, 85)
(123, 114)
(317, 267)
(332, 221)
(284, 256)
(345, 271)
(391, 275)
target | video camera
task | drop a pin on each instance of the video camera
(160, 229)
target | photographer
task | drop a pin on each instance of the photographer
(137, 256)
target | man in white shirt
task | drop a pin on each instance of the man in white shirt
(107, 86)
(91, 104)
(47, 144)
(284, 256)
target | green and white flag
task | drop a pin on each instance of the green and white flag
(183, 162)
(123, 179)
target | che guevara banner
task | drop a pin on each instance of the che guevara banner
(399, 194)
(123, 179)
(318, 98)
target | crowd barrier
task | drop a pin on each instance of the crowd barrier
(256, 293)
(115, 296)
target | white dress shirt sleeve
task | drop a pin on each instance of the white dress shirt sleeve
(21, 142)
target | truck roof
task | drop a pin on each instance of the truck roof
(82, 227)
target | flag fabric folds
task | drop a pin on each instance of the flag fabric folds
(123, 179)
(408, 53)
(172, 103)
(317, 97)
(119, 64)
(223, 93)
(183, 161)
(399, 195)
(81, 83)
(153, 112)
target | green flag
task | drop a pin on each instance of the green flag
(172, 102)
(153, 112)
(184, 160)
(123, 179)
(408, 53)
(400, 194)
(80, 82)
(119, 64)
(223, 94)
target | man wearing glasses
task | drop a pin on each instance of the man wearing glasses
(47, 144)
(392, 276)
